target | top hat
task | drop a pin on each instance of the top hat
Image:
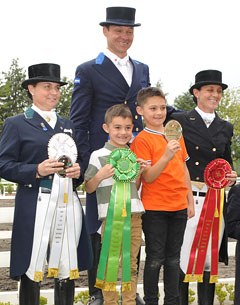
(43, 73)
(117, 15)
(208, 77)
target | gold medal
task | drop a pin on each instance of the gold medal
(173, 130)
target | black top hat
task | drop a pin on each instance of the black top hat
(208, 77)
(43, 73)
(120, 16)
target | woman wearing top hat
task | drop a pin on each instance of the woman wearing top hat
(207, 137)
(111, 78)
(48, 220)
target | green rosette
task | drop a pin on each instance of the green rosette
(125, 164)
(116, 242)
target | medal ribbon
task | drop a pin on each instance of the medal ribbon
(116, 244)
(209, 222)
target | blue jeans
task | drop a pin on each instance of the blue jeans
(163, 237)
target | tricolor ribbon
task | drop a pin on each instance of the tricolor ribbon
(209, 222)
(116, 243)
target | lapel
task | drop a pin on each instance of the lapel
(107, 69)
(197, 124)
(34, 119)
(137, 74)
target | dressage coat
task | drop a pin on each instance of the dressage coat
(204, 145)
(99, 85)
(23, 145)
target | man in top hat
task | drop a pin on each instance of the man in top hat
(207, 137)
(41, 226)
(111, 78)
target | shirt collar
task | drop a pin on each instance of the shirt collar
(204, 115)
(114, 58)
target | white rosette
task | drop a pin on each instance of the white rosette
(59, 219)
(62, 146)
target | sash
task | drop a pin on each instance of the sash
(209, 222)
(116, 243)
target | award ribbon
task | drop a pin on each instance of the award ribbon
(116, 242)
(209, 222)
(59, 216)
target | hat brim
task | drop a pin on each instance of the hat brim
(36, 80)
(104, 23)
(205, 83)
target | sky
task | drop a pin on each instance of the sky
(177, 38)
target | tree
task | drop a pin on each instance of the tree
(13, 99)
(63, 107)
(184, 101)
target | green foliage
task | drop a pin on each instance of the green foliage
(184, 102)
(191, 296)
(230, 289)
(14, 99)
(229, 109)
(63, 107)
(8, 303)
(221, 294)
(9, 189)
(43, 300)
(1, 188)
(82, 296)
(82, 188)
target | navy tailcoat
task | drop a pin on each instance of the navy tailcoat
(99, 85)
(23, 145)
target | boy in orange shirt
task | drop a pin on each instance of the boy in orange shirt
(166, 195)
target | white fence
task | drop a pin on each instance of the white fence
(6, 217)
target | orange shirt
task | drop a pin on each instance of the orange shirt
(169, 191)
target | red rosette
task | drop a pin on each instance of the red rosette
(215, 173)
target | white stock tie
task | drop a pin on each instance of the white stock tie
(124, 68)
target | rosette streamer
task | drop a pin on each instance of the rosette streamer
(55, 217)
(209, 222)
(116, 244)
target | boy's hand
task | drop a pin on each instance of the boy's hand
(190, 210)
(105, 172)
(143, 165)
(172, 147)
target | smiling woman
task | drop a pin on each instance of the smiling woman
(30, 161)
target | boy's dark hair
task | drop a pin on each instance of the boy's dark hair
(119, 110)
(145, 93)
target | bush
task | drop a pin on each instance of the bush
(10, 189)
(43, 301)
(1, 188)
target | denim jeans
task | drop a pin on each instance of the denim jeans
(163, 237)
